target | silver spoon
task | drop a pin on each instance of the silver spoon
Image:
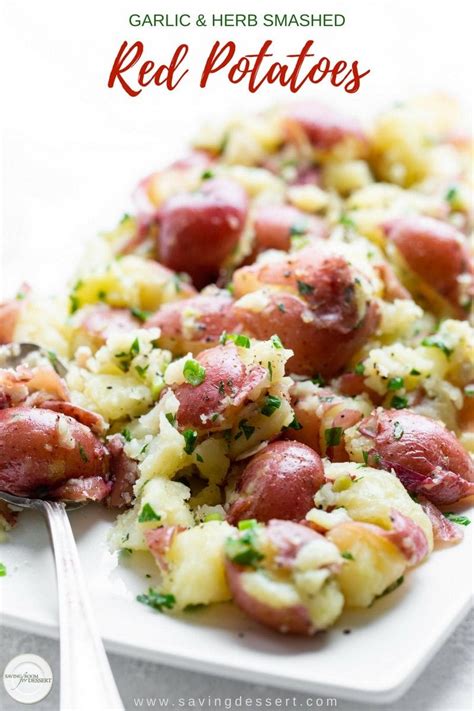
(87, 681)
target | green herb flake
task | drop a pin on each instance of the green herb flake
(318, 380)
(469, 391)
(141, 370)
(127, 435)
(366, 458)
(171, 417)
(190, 438)
(270, 370)
(396, 383)
(156, 600)
(73, 303)
(148, 513)
(392, 587)
(193, 372)
(414, 371)
(194, 607)
(140, 314)
(199, 458)
(333, 436)
(346, 221)
(295, 425)
(455, 518)
(135, 347)
(213, 517)
(246, 429)
(399, 402)
(247, 523)
(298, 229)
(347, 555)
(276, 342)
(436, 342)
(3, 570)
(237, 338)
(207, 175)
(304, 288)
(359, 369)
(83, 453)
(452, 195)
(397, 430)
(242, 550)
(271, 404)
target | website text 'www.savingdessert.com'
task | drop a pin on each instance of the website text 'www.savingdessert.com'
(235, 702)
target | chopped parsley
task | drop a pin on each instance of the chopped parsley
(83, 453)
(156, 600)
(148, 513)
(295, 425)
(127, 435)
(461, 520)
(366, 458)
(396, 383)
(247, 523)
(237, 338)
(272, 403)
(207, 175)
(199, 458)
(140, 314)
(190, 438)
(213, 517)
(194, 373)
(298, 229)
(346, 221)
(452, 195)
(304, 288)
(392, 587)
(414, 371)
(242, 550)
(276, 342)
(347, 555)
(171, 417)
(397, 430)
(359, 369)
(3, 570)
(437, 342)
(333, 436)
(141, 370)
(270, 370)
(125, 359)
(246, 429)
(101, 295)
(469, 391)
(318, 380)
(399, 402)
(73, 303)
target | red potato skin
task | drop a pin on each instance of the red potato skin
(323, 127)
(198, 231)
(33, 459)
(288, 538)
(226, 377)
(213, 315)
(123, 473)
(317, 349)
(427, 457)
(435, 251)
(92, 488)
(278, 482)
(273, 225)
(102, 321)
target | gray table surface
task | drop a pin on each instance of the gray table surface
(446, 685)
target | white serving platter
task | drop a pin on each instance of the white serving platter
(387, 648)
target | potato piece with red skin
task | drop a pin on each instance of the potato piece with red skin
(317, 409)
(274, 225)
(199, 230)
(227, 384)
(324, 127)
(9, 314)
(41, 450)
(194, 324)
(425, 455)
(436, 252)
(316, 348)
(99, 322)
(271, 570)
(123, 472)
(280, 482)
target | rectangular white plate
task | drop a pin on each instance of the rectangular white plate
(388, 647)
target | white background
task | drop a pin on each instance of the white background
(74, 149)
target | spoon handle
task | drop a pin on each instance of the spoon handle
(86, 677)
